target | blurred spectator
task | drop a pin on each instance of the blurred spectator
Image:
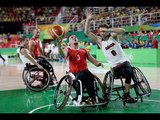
(155, 42)
(149, 34)
(147, 44)
(70, 29)
(140, 43)
(156, 32)
(76, 27)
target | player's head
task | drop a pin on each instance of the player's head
(36, 33)
(101, 30)
(24, 40)
(72, 40)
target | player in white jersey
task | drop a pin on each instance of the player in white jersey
(26, 57)
(112, 50)
(24, 54)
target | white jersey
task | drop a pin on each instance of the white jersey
(113, 52)
(23, 58)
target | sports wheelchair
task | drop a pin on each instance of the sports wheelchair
(139, 85)
(65, 93)
(37, 79)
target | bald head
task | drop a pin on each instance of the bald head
(36, 33)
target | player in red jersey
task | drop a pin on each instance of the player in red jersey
(35, 46)
(77, 63)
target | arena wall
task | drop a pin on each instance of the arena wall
(138, 56)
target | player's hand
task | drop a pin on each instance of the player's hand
(89, 14)
(58, 41)
(100, 64)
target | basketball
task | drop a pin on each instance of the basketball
(57, 31)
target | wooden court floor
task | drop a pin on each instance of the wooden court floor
(14, 98)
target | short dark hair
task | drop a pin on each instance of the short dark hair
(103, 25)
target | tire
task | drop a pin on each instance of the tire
(108, 84)
(38, 76)
(42, 61)
(141, 82)
(24, 73)
(62, 92)
(101, 95)
(46, 64)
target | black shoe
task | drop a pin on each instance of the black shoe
(128, 99)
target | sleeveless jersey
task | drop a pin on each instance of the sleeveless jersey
(113, 52)
(22, 57)
(36, 47)
(77, 60)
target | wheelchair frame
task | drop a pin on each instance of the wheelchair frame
(42, 75)
(64, 93)
(140, 85)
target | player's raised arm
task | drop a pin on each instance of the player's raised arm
(92, 36)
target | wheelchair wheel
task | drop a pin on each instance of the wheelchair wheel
(36, 79)
(24, 73)
(46, 64)
(141, 82)
(50, 68)
(62, 92)
(42, 61)
(108, 84)
(100, 91)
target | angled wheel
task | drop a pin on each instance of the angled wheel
(27, 67)
(46, 64)
(100, 91)
(24, 73)
(62, 92)
(42, 61)
(141, 82)
(36, 79)
(108, 84)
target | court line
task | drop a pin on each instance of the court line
(53, 104)
(40, 108)
(152, 100)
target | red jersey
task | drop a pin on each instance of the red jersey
(36, 48)
(77, 60)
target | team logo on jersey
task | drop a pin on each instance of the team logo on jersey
(109, 46)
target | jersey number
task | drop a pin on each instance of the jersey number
(113, 53)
